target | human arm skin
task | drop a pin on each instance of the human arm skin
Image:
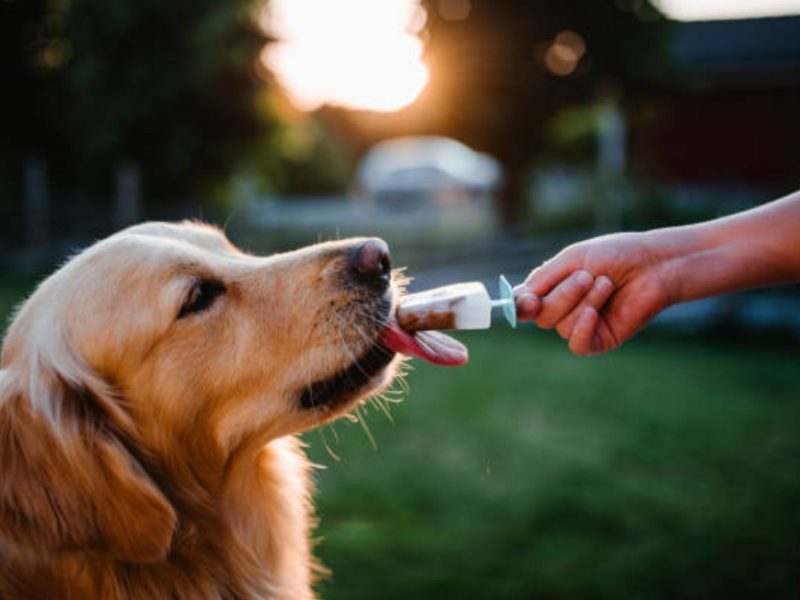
(598, 293)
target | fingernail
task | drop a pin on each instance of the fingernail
(527, 305)
(584, 278)
(603, 284)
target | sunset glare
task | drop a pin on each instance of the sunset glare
(359, 54)
(693, 10)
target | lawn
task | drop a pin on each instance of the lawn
(666, 469)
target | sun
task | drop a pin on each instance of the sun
(359, 54)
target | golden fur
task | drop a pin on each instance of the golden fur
(146, 454)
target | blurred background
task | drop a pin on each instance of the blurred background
(477, 137)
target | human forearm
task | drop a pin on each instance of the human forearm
(599, 292)
(751, 249)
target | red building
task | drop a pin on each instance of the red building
(733, 117)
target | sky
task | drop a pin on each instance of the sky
(365, 54)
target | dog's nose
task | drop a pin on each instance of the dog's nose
(371, 261)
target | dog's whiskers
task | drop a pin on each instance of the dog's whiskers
(378, 400)
(328, 449)
(370, 341)
(361, 419)
(355, 361)
(360, 415)
(348, 350)
(306, 366)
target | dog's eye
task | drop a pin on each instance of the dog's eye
(201, 296)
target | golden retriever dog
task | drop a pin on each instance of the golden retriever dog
(150, 394)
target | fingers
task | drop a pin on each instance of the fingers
(591, 333)
(544, 278)
(573, 307)
(582, 340)
(563, 299)
(596, 298)
(528, 306)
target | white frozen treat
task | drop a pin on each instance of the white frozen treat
(457, 306)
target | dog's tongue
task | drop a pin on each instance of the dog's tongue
(433, 346)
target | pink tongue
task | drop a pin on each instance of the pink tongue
(433, 346)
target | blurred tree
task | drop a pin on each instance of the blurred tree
(27, 51)
(302, 156)
(167, 86)
(501, 69)
(161, 90)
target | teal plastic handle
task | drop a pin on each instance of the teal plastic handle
(508, 305)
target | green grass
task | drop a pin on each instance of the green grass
(666, 469)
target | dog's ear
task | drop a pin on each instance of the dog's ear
(67, 481)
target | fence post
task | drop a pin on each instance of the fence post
(611, 150)
(37, 212)
(127, 201)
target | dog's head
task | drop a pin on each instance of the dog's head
(164, 344)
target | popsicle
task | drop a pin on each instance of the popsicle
(414, 329)
(458, 306)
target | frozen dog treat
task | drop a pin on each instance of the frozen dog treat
(458, 306)
(412, 330)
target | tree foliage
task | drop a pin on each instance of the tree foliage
(170, 86)
(493, 87)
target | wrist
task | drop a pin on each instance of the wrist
(752, 249)
(718, 257)
(675, 254)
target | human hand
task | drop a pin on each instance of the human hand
(598, 293)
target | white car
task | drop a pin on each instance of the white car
(407, 172)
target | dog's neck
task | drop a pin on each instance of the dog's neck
(267, 505)
(249, 514)
(250, 539)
